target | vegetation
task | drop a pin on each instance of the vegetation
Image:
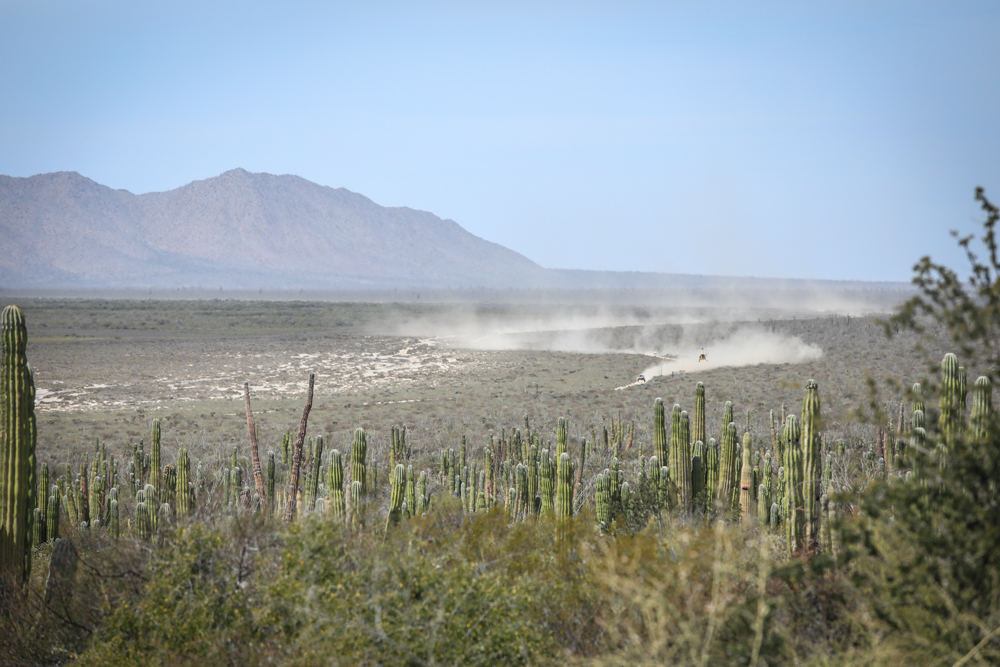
(782, 546)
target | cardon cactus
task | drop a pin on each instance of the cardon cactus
(560, 438)
(357, 509)
(335, 486)
(918, 399)
(793, 510)
(950, 403)
(17, 450)
(763, 506)
(113, 527)
(155, 469)
(270, 482)
(982, 409)
(727, 467)
(396, 495)
(184, 488)
(411, 491)
(654, 484)
(315, 473)
(680, 462)
(546, 482)
(142, 523)
(52, 524)
(564, 487)
(43, 498)
(359, 451)
(659, 431)
(748, 509)
(711, 460)
(812, 463)
(602, 500)
(699, 414)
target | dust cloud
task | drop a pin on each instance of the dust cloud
(746, 346)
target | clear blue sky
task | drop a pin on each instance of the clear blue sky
(835, 140)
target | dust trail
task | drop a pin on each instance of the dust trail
(747, 346)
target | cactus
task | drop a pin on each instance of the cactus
(793, 511)
(775, 516)
(411, 491)
(747, 508)
(659, 431)
(727, 466)
(154, 460)
(169, 481)
(113, 527)
(763, 506)
(422, 492)
(982, 409)
(546, 479)
(37, 536)
(184, 489)
(680, 460)
(711, 460)
(314, 475)
(17, 450)
(663, 488)
(564, 487)
(43, 498)
(357, 508)
(811, 463)
(270, 482)
(699, 414)
(142, 524)
(698, 472)
(918, 400)
(561, 438)
(602, 500)
(335, 486)
(398, 491)
(359, 451)
(950, 402)
(52, 522)
(654, 483)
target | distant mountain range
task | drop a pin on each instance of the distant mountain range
(242, 230)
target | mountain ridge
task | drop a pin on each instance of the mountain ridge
(240, 229)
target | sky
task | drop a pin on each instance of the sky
(800, 140)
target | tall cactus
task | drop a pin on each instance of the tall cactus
(546, 480)
(335, 486)
(564, 487)
(155, 469)
(659, 431)
(560, 438)
(950, 402)
(270, 482)
(17, 450)
(43, 497)
(359, 451)
(747, 507)
(982, 409)
(699, 414)
(396, 495)
(812, 463)
(680, 461)
(727, 466)
(794, 516)
(711, 473)
(185, 489)
(52, 522)
(411, 491)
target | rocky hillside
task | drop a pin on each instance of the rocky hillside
(236, 230)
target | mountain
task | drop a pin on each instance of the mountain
(235, 230)
(244, 231)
